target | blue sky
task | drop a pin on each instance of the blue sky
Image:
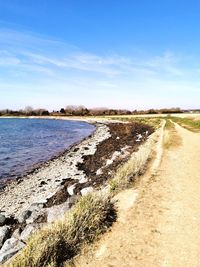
(119, 54)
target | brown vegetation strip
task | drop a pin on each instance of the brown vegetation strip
(122, 135)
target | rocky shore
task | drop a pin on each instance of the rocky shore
(45, 195)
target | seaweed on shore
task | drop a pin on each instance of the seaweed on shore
(122, 135)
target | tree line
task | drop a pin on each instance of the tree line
(28, 111)
(83, 111)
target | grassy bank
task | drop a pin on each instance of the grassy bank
(60, 241)
(151, 121)
(188, 123)
(134, 167)
(171, 138)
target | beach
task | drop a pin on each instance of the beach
(40, 185)
(48, 192)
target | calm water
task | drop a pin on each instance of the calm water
(24, 143)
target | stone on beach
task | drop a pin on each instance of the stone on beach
(2, 219)
(37, 215)
(24, 216)
(16, 234)
(83, 180)
(10, 248)
(4, 232)
(70, 189)
(28, 230)
(39, 204)
(86, 190)
(57, 212)
(99, 171)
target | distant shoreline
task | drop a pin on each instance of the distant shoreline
(90, 119)
(46, 117)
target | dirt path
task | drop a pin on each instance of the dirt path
(159, 221)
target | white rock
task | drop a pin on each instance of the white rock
(114, 156)
(70, 189)
(83, 180)
(99, 172)
(28, 230)
(86, 190)
(39, 204)
(24, 215)
(35, 215)
(16, 234)
(4, 231)
(10, 248)
(125, 148)
(139, 136)
(109, 162)
(57, 212)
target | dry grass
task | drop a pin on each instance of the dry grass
(136, 165)
(171, 138)
(192, 124)
(59, 242)
(151, 121)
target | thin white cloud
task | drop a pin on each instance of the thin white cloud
(38, 64)
(28, 49)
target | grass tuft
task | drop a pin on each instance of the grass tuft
(134, 167)
(59, 242)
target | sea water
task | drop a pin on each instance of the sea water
(26, 143)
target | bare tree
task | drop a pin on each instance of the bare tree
(28, 110)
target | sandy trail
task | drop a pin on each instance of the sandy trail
(159, 221)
